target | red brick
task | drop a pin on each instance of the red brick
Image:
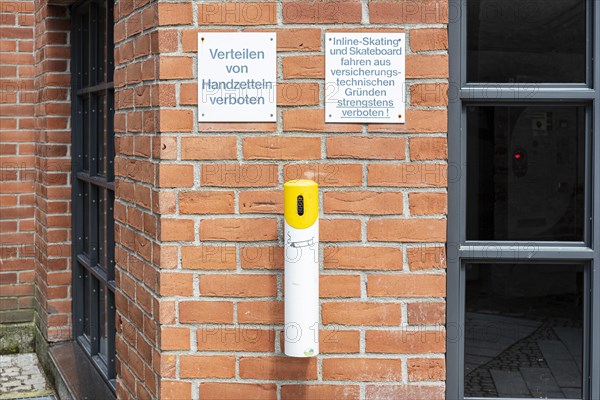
(417, 121)
(406, 285)
(176, 120)
(320, 392)
(363, 202)
(361, 313)
(237, 391)
(223, 338)
(426, 369)
(238, 285)
(237, 13)
(175, 390)
(229, 127)
(298, 39)
(407, 230)
(339, 286)
(426, 313)
(426, 257)
(313, 120)
(260, 312)
(363, 258)
(189, 43)
(336, 341)
(405, 341)
(176, 284)
(263, 257)
(281, 148)
(426, 66)
(325, 174)
(362, 369)
(314, 12)
(407, 175)
(238, 229)
(176, 230)
(239, 175)
(428, 39)
(367, 147)
(297, 93)
(196, 366)
(171, 67)
(428, 203)
(208, 257)
(429, 94)
(424, 148)
(206, 202)
(188, 95)
(412, 392)
(174, 338)
(261, 201)
(209, 148)
(175, 175)
(303, 67)
(408, 12)
(278, 368)
(340, 230)
(175, 14)
(210, 312)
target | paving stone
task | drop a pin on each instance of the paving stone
(541, 383)
(21, 375)
(510, 383)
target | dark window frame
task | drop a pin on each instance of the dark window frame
(92, 110)
(460, 251)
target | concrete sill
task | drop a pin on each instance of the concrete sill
(76, 377)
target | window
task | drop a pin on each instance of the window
(93, 183)
(524, 187)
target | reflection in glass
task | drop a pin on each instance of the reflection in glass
(514, 41)
(525, 173)
(524, 331)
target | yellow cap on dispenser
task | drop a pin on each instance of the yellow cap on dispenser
(300, 203)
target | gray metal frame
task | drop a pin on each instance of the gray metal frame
(89, 273)
(461, 251)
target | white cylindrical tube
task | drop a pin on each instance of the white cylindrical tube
(301, 275)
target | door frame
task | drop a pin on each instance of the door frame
(459, 250)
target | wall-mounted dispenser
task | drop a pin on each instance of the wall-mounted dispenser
(301, 291)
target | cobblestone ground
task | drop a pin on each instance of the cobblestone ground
(524, 353)
(21, 377)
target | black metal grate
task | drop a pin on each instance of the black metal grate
(92, 70)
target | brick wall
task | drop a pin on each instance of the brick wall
(217, 195)
(53, 166)
(199, 206)
(138, 147)
(35, 163)
(17, 161)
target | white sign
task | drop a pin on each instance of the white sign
(237, 73)
(364, 79)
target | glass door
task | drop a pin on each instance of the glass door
(523, 235)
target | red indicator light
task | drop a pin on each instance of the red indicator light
(517, 156)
